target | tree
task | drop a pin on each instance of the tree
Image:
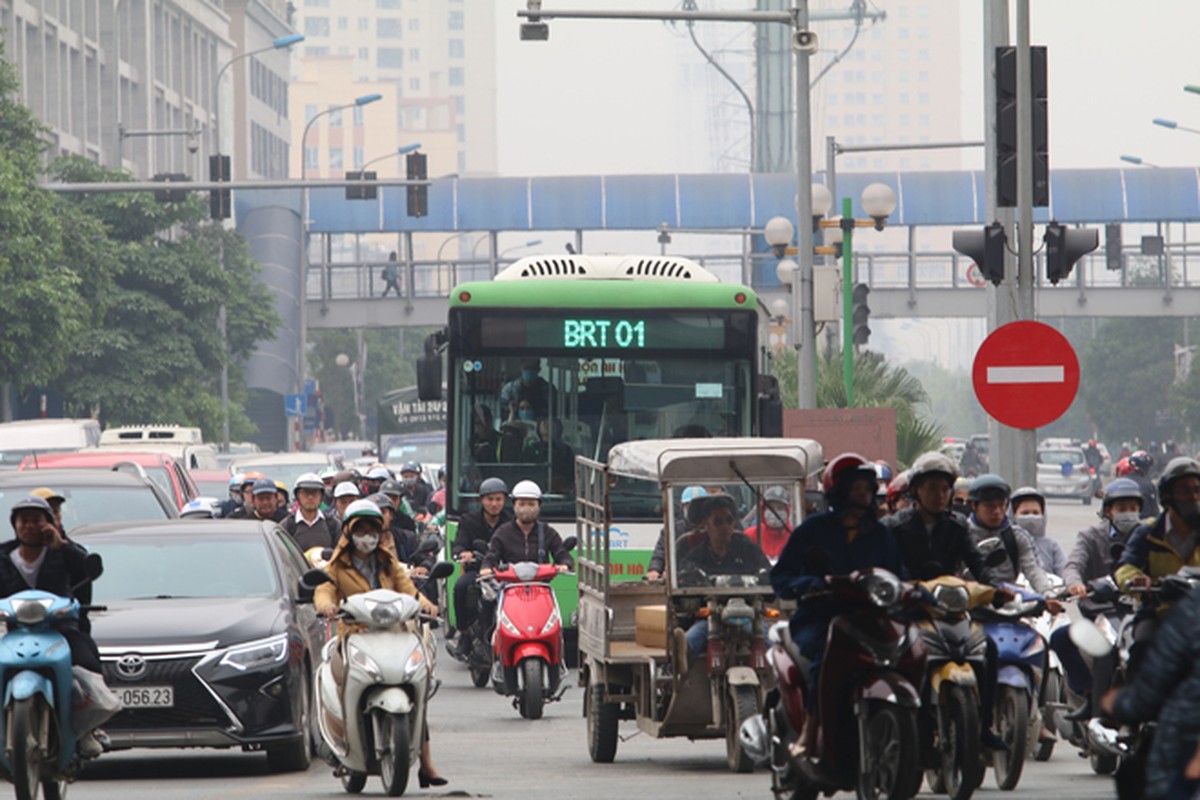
(39, 299)
(152, 350)
(1127, 371)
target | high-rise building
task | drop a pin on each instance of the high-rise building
(132, 83)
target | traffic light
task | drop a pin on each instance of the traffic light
(985, 247)
(1006, 127)
(1065, 246)
(220, 201)
(365, 190)
(860, 315)
(171, 195)
(1112, 246)
(418, 196)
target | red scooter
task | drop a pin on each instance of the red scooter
(867, 738)
(527, 642)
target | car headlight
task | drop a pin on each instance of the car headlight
(31, 612)
(358, 658)
(255, 655)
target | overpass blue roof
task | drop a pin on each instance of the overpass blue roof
(641, 202)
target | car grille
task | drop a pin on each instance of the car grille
(194, 706)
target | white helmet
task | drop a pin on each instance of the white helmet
(526, 490)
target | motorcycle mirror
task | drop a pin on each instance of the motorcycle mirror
(93, 566)
(314, 578)
(442, 569)
(430, 545)
(1116, 550)
(480, 545)
(1089, 638)
(570, 542)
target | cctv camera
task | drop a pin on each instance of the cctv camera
(534, 31)
(804, 41)
(193, 144)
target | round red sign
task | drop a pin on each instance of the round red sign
(1026, 374)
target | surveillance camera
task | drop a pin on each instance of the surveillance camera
(804, 41)
(193, 144)
(534, 32)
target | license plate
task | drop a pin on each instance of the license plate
(147, 696)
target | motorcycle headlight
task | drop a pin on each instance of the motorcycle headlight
(360, 659)
(883, 588)
(954, 599)
(254, 655)
(555, 619)
(30, 612)
(385, 614)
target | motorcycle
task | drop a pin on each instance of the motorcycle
(867, 699)
(527, 644)
(37, 682)
(1021, 661)
(476, 653)
(373, 686)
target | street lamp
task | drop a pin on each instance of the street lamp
(404, 149)
(280, 43)
(343, 360)
(1173, 125)
(1137, 161)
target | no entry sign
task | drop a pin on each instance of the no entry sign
(1026, 374)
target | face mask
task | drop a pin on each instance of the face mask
(774, 519)
(409, 482)
(1034, 524)
(1126, 521)
(526, 414)
(365, 543)
(961, 507)
(1190, 511)
(529, 375)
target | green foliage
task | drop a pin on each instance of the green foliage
(1127, 370)
(951, 398)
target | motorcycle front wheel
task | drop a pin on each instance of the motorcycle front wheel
(1012, 718)
(742, 704)
(27, 725)
(962, 764)
(532, 696)
(890, 739)
(354, 782)
(394, 755)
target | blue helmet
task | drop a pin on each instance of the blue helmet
(691, 493)
(989, 487)
(1121, 489)
(1141, 461)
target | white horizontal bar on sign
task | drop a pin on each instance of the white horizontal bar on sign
(1026, 374)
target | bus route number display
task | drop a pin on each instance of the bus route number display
(599, 333)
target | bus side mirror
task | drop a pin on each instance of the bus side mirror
(770, 407)
(429, 378)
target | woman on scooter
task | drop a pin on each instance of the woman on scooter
(364, 560)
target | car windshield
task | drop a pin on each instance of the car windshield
(287, 473)
(1060, 457)
(728, 534)
(179, 565)
(87, 505)
(422, 451)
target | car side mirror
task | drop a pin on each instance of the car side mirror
(429, 378)
(442, 569)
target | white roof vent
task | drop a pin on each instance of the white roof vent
(588, 267)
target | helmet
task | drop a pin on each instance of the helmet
(691, 493)
(1028, 493)
(237, 479)
(379, 474)
(1140, 461)
(251, 477)
(842, 471)
(884, 471)
(309, 480)
(359, 510)
(1091, 442)
(346, 489)
(410, 466)
(931, 463)
(1175, 469)
(1121, 489)
(527, 490)
(989, 487)
(264, 486)
(441, 473)
(961, 483)
(327, 473)
(898, 487)
(492, 486)
(200, 508)
(48, 494)
(343, 476)
(1121, 468)
(382, 500)
(281, 487)
(776, 494)
(390, 487)
(32, 501)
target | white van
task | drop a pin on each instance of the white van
(185, 444)
(27, 436)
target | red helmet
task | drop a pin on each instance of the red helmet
(843, 470)
(1121, 468)
(898, 487)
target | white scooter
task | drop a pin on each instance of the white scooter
(373, 687)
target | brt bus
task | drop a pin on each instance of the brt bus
(569, 355)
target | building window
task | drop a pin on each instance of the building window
(364, 23)
(316, 51)
(455, 22)
(312, 158)
(456, 76)
(460, 104)
(358, 158)
(389, 28)
(335, 158)
(389, 57)
(414, 84)
(343, 23)
(310, 111)
(414, 24)
(358, 116)
(456, 48)
(364, 54)
(335, 118)
(462, 161)
(414, 55)
(461, 131)
(316, 26)
(387, 3)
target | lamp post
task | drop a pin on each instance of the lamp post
(301, 366)
(1137, 161)
(279, 43)
(402, 150)
(343, 360)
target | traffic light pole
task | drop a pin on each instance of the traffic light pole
(848, 299)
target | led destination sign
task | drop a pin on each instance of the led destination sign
(615, 333)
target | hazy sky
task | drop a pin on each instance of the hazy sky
(603, 97)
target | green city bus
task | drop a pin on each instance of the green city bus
(622, 348)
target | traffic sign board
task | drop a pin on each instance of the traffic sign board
(975, 275)
(1026, 374)
(294, 405)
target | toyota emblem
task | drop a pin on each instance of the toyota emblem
(131, 667)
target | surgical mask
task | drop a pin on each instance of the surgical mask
(526, 414)
(409, 482)
(961, 507)
(1190, 511)
(1034, 524)
(529, 375)
(365, 543)
(1126, 521)
(775, 519)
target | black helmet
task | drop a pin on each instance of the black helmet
(32, 501)
(492, 486)
(1177, 468)
(989, 487)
